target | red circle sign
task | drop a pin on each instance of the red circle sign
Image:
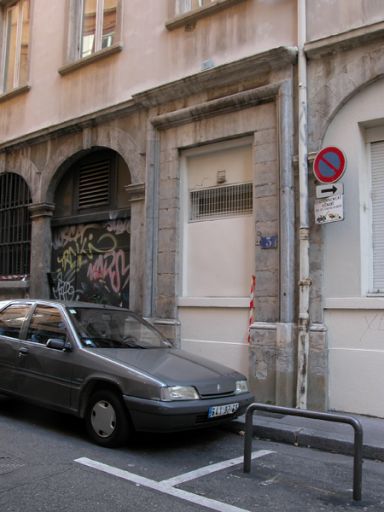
(329, 164)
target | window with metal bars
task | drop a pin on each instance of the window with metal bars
(222, 201)
(15, 227)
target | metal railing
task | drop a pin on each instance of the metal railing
(337, 418)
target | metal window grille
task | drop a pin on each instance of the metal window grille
(222, 201)
(15, 226)
(94, 185)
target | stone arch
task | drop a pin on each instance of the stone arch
(62, 155)
(18, 163)
(91, 228)
(340, 76)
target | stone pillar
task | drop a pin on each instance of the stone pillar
(136, 194)
(41, 248)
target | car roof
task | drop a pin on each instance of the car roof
(67, 304)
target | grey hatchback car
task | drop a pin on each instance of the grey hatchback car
(113, 369)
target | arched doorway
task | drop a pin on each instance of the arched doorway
(91, 231)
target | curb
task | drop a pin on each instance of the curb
(306, 438)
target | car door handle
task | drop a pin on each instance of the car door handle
(23, 352)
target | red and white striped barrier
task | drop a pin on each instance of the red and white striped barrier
(251, 306)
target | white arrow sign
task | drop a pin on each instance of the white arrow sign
(328, 190)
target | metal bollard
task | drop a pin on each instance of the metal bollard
(338, 418)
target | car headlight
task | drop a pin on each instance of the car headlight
(178, 393)
(241, 386)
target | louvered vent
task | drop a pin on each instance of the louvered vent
(94, 185)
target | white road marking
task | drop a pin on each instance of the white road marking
(167, 486)
(197, 473)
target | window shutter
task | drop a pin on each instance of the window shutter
(377, 162)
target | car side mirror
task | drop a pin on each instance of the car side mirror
(58, 344)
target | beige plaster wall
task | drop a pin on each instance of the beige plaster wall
(329, 17)
(151, 56)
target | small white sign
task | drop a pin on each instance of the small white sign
(329, 189)
(330, 209)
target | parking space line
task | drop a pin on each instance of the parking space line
(197, 473)
(167, 486)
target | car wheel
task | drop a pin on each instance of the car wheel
(106, 419)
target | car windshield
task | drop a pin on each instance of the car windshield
(109, 328)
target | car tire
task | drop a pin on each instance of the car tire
(106, 419)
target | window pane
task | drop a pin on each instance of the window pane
(24, 44)
(89, 27)
(11, 320)
(10, 48)
(46, 323)
(183, 6)
(109, 23)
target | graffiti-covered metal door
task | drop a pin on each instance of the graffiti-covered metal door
(90, 262)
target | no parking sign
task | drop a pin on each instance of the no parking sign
(329, 165)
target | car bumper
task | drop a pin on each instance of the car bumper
(157, 416)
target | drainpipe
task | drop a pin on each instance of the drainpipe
(304, 280)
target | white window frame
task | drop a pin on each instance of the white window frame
(5, 12)
(210, 147)
(98, 31)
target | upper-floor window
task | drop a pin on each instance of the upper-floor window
(183, 6)
(98, 25)
(94, 32)
(188, 12)
(15, 45)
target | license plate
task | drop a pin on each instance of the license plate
(222, 410)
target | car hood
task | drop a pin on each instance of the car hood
(177, 367)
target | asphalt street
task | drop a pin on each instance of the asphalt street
(47, 463)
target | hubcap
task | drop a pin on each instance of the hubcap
(103, 418)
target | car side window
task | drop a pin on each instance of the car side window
(12, 318)
(46, 322)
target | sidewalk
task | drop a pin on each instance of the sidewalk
(323, 435)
